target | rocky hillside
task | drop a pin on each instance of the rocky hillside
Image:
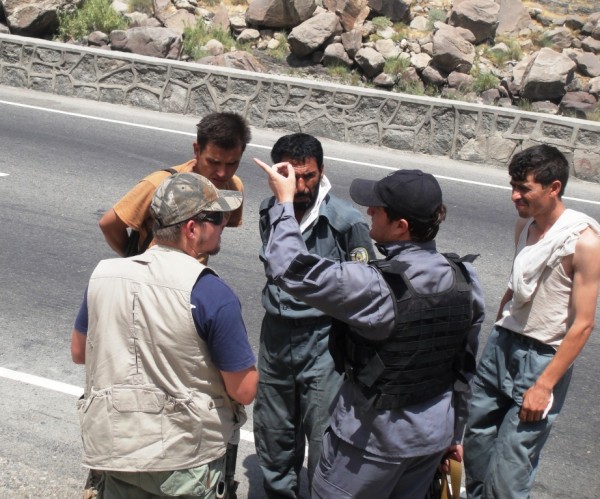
(541, 57)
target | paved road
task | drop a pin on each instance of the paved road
(66, 161)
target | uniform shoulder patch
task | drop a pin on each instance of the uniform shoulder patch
(359, 254)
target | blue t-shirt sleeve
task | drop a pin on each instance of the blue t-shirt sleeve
(81, 321)
(217, 314)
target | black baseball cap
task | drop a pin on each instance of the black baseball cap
(412, 193)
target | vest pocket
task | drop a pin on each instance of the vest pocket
(96, 426)
(137, 428)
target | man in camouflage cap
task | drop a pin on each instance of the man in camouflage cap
(167, 357)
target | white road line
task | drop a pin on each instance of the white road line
(259, 146)
(30, 379)
(3, 174)
(76, 391)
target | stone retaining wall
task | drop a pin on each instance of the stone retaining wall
(477, 133)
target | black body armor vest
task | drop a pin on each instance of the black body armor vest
(423, 354)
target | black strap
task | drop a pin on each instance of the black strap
(133, 247)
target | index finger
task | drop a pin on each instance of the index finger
(263, 165)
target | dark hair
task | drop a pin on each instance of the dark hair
(420, 230)
(546, 163)
(225, 130)
(298, 146)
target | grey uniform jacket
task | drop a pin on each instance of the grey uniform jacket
(358, 295)
(339, 233)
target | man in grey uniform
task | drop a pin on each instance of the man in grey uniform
(297, 377)
(407, 340)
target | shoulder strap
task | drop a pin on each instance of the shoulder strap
(150, 235)
(458, 259)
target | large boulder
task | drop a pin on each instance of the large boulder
(163, 9)
(420, 61)
(590, 44)
(38, 18)
(432, 76)
(352, 41)
(513, 16)
(577, 104)
(179, 21)
(478, 16)
(221, 18)
(588, 64)
(335, 55)
(451, 52)
(310, 35)
(351, 12)
(140, 19)
(518, 73)
(592, 26)
(460, 81)
(279, 13)
(547, 75)
(388, 49)
(561, 37)
(395, 10)
(370, 61)
(594, 86)
(153, 42)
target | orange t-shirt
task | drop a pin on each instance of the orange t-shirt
(134, 207)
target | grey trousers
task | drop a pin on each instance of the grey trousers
(297, 383)
(345, 472)
(501, 453)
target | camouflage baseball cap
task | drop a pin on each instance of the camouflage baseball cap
(184, 195)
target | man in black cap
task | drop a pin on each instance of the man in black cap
(406, 339)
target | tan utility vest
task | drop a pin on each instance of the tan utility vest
(153, 401)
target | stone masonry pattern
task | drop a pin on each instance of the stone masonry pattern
(425, 125)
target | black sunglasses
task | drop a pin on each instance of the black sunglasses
(213, 217)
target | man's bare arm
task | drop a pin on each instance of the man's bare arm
(115, 231)
(505, 299)
(586, 279)
(78, 340)
(519, 226)
(241, 385)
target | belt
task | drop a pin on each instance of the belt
(303, 321)
(527, 340)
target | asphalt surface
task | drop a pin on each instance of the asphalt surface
(64, 162)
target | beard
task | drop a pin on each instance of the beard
(309, 200)
(215, 250)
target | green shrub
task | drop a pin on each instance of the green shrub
(401, 31)
(396, 65)
(144, 6)
(435, 15)
(194, 38)
(93, 15)
(541, 39)
(381, 22)
(283, 50)
(412, 88)
(338, 71)
(485, 81)
(594, 115)
(524, 105)
(499, 57)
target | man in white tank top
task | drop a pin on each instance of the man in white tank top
(543, 323)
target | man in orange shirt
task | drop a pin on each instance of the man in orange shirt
(221, 140)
